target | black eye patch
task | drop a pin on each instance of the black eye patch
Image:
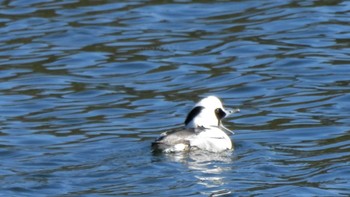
(220, 114)
(193, 113)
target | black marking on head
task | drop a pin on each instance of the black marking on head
(220, 114)
(193, 113)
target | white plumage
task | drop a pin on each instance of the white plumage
(203, 130)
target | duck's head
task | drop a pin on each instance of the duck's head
(206, 113)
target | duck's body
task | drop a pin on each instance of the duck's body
(186, 139)
(203, 130)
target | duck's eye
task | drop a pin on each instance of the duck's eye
(220, 114)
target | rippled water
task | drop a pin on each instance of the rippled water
(85, 86)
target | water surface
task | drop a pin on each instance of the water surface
(86, 86)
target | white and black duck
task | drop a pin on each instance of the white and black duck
(203, 130)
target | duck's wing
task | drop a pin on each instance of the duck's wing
(173, 140)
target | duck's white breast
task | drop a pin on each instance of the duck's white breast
(213, 140)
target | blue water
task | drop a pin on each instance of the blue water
(86, 86)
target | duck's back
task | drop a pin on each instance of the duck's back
(174, 140)
(213, 140)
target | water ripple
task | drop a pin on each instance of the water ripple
(86, 86)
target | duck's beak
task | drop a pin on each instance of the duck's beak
(231, 111)
(228, 112)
